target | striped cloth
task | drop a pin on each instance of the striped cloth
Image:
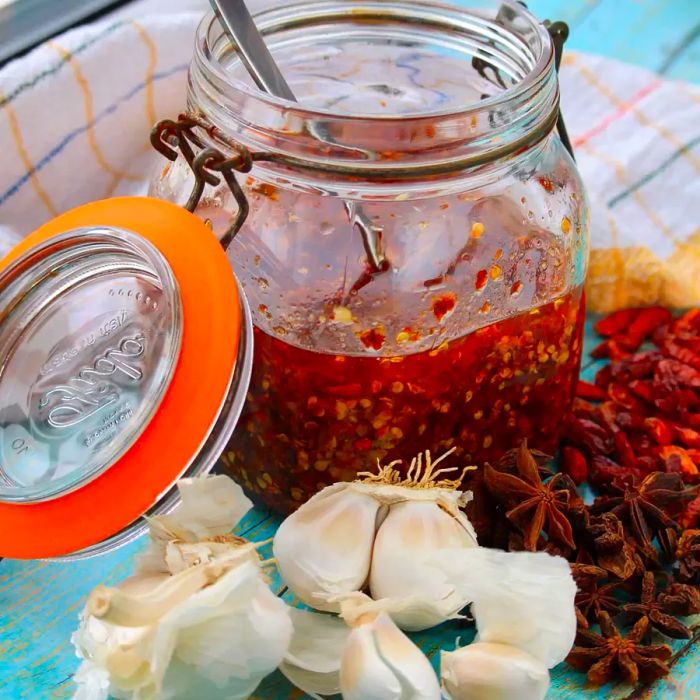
(75, 116)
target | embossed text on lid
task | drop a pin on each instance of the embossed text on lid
(90, 330)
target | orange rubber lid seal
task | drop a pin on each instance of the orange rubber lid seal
(200, 382)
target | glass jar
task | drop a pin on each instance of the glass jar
(416, 244)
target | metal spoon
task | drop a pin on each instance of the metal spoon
(256, 57)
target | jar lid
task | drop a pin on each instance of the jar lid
(124, 361)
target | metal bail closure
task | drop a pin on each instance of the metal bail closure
(124, 361)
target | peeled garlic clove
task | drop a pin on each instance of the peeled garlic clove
(324, 548)
(403, 564)
(381, 663)
(312, 662)
(524, 599)
(486, 671)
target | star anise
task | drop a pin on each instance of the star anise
(512, 462)
(658, 609)
(601, 655)
(646, 507)
(615, 553)
(681, 599)
(593, 597)
(688, 555)
(534, 505)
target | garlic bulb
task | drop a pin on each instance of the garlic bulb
(196, 620)
(381, 663)
(379, 530)
(486, 671)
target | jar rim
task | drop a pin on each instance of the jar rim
(309, 12)
(294, 137)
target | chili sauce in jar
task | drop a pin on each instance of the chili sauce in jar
(456, 322)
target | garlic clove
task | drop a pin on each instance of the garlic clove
(312, 662)
(403, 564)
(210, 506)
(524, 599)
(487, 671)
(381, 663)
(219, 640)
(324, 548)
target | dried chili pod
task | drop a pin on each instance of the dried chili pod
(604, 377)
(660, 430)
(573, 463)
(590, 392)
(584, 433)
(602, 472)
(642, 389)
(614, 323)
(648, 320)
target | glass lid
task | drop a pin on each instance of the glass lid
(90, 333)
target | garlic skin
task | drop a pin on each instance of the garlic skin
(197, 620)
(381, 663)
(380, 529)
(402, 560)
(523, 599)
(312, 662)
(325, 547)
(488, 671)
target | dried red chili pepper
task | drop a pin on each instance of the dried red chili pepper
(574, 464)
(660, 430)
(681, 354)
(585, 433)
(602, 472)
(642, 389)
(590, 392)
(624, 450)
(615, 322)
(688, 436)
(672, 373)
(679, 461)
(648, 320)
(604, 376)
(621, 395)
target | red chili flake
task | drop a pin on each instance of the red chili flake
(434, 281)
(373, 338)
(267, 190)
(481, 279)
(615, 322)
(363, 444)
(444, 305)
(546, 183)
(586, 390)
(661, 431)
(574, 464)
(516, 288)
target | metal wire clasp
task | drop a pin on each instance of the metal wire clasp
(168, 137)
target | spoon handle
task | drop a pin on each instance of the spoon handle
(240, 28)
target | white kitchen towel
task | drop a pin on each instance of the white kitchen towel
(75, 116)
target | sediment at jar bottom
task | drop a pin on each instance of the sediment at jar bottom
(312, 418)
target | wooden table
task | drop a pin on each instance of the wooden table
(39, 601)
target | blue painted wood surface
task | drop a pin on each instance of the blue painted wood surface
(39, 601)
